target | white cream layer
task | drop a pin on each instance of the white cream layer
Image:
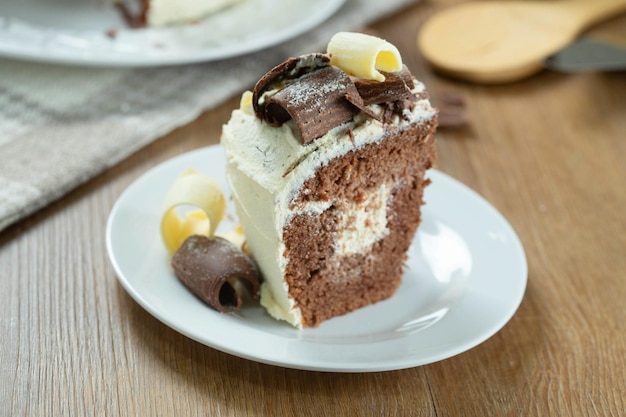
(266, 168)
(168, 12)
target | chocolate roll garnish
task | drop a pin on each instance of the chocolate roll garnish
(318, 96)
(212, 269)
(280, 76)
(397, 86)
(309, 91)
(316, 102)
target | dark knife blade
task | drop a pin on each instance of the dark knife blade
(590, 54)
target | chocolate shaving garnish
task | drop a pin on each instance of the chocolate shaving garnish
(212, 269)
(351, 135)
(452, 112)
(111, 33)
(355, 98)
(397, 85)
(451, 98)
(138, 20)
(452, 118)
(317, 102)
(319, 97)
(279, 76)
(397, 108)
(389, 111)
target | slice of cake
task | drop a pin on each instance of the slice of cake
(153, 13)
(326, 162)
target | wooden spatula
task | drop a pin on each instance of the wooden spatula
(498, 42)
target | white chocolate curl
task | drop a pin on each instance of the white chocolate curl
(363, 56)
(198, 190)
(245, 104)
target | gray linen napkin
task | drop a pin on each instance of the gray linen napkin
(62, 125)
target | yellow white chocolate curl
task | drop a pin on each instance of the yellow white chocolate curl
(245, 104)
(197, 190)
(363, 55)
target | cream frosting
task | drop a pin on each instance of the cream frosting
(266, 168)
(167, 12)
(363, 224)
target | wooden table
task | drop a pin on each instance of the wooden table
(548, 152)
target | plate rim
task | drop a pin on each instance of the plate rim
(317, 365)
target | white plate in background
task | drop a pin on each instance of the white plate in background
(77, 32)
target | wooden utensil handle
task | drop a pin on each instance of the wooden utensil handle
(588, 12)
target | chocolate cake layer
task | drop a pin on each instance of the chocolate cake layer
(327, 284)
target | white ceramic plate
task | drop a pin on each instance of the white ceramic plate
(466, 276)
(75, 32)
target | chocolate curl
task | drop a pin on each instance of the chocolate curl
(353, 96)
(452, 111)
(317, 102)
(211, 267)
(397, 86)
(281, 75)
(319, 97)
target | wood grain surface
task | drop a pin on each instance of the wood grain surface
(549, 152)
